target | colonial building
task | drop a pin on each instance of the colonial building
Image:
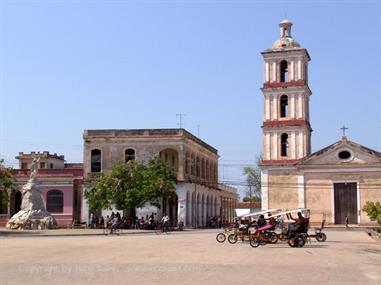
(60, 183)
(198, 196)
(334, 182)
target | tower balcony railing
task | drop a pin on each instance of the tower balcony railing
(283, 84)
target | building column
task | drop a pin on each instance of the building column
(300, 106)
(265, 190)
(267, 72)
(85, 210)
(293, 145)
(181, 166)
(275, 108)
(181, 210)
(299, 69)
(292, 106)
(275, 146)
(300, 147)
(267, 108)
(274, 72)
(292, 71)
(301, 194)
(267, 146)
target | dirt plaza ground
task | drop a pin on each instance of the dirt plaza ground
(191, 257)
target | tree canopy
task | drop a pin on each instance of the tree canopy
(131, 185)
(253, 181)
(373, 209)
(6, 184)
(6, 177)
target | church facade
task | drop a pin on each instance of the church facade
(335, 182)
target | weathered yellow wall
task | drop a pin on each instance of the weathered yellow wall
(283, 191)
(319, 192)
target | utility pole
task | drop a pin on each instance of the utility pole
(180, 123)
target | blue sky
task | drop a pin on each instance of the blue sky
(66, 66)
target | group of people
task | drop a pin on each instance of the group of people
(214, 222)
(300, 223)
(115, 220)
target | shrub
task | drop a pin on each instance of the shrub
(373, 209)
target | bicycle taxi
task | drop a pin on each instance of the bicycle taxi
(245, 226)
(292, 230)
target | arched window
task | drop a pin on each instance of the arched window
(187, 158)
(283, 106)
(284, 145)
(203, 168)
(96, 160)
(198, 167)
(193, 165)
(283, 71)
(54, 201)
(129, 154)
(207, 171)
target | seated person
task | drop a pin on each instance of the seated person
(299, 225)
(261, 221)
(243, 227)
(272, 222)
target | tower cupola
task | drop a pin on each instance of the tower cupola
(285, 40)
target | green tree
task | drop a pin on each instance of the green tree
(253, 181)
(6, 185)
(373, 209)
(131, 185)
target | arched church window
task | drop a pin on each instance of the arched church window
(283, 106)
(54, 201)
(96, 160)
(284, 145)
(284, 71)
(129, 155)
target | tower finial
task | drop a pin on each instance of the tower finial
(285, 28)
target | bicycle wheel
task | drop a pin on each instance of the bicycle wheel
(273, 237)
(297, 241)
(221, 237)
(282, 237)
(321, 237)
(232, 238)
(255, 242)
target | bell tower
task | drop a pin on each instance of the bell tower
(286, 124)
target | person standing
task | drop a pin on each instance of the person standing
(165, 223)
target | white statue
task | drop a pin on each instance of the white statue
(32, 214)
(34, 169)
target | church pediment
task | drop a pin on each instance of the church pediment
(343, 152)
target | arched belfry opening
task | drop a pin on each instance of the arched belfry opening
(283, 71)
(284, 145)
(283, 106)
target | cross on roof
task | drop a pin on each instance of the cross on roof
(344, 128)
